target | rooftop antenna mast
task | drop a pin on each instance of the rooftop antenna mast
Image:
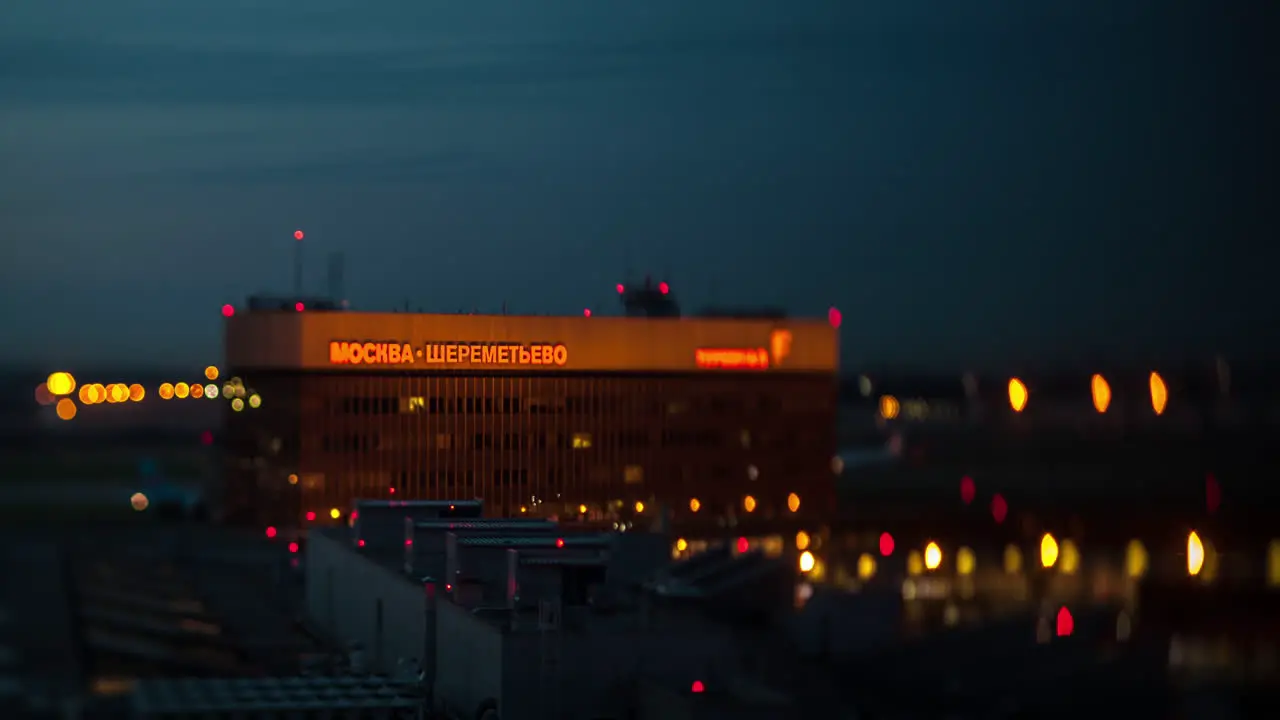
(297, 263)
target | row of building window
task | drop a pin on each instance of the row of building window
(627, 440)
(391, 405)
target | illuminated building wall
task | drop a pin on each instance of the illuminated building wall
(567, 410)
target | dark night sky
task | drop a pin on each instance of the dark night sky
(971, 182)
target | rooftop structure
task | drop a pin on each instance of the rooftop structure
(534, 620)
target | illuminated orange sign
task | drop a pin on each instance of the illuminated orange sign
(746, 358)
(401, 353)
(732, 358)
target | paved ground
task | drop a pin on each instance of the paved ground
(90, 602)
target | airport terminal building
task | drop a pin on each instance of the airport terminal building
(534, 414)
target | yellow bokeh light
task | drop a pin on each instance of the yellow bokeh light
(1159, 393)
(932, 556)
(694, 505)
(211, 372)
(1048, 551)
(966, 561)
(1018, 395)
(1069, 558)
(793, 502)
(86, 394)
(1101, 394)
(1136, 559)
(1195, 554)
(335, 513)
(802, 540)
(237, 404)
(139, 502)
(60, 383)
(255, 401)
(99, 393)
(915, 563)
(749, 504)
(1273, 564)
(639, 507)
(806, 562)
(66, 408)
(165, 391)
(228, 391)
(682, 545)
(137, 392)
(889, 407)
(1012, 559)
(293, 478)
(181, 390)
(866, 566)
(582, 509)
(197, 391)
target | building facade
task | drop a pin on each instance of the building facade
(536, 415)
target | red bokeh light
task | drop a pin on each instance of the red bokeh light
(391, 490)
(559, 542)
(228, 310)
(408, 542)
(886, 544)
(664, 288)
(967, 490)
(999, 508)
(586, 312)
(1212, 493)
(271, 532)
(206, 438)
(299, 307)
(621, 289)
(1066, 623)
(697, 686)
(360, 542)
(293, 547)
(834, 317)
(297, 235)
(743, 545)
(311, 515)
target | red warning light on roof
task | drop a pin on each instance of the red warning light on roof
(297, 235)
(228, 310)
(886, 544)
(967, 490)
(559, 542)
(621, 289)
(1066, 624)
(586, 312)
(293, 547)
(271, 532)
(743, 545)
(664, 288)
(999, 508)
(834, 317)
(311, 515)
(697, 686)
(299, 307)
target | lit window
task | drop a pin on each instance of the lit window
(581, 441)
(633, 475)
(412, 404)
